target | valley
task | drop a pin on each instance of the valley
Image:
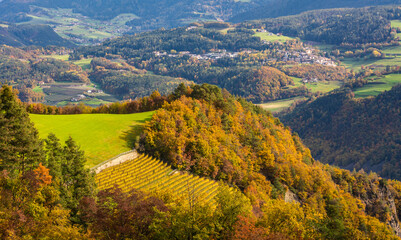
(200, 119)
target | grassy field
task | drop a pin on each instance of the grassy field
(375, 87)
(101, 136)
(380, 63)
(279, 105)
(37, 89)
(83, 63)
(273, 38)
(321, 86)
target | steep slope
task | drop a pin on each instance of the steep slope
(27, 35)
(210, 133)
(353, 133)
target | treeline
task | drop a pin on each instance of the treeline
(150, 103)
(335, 26)
(210, 133)
(352, 133)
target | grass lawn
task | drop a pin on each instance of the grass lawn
(395, 23)
(376, 87)
(101, 136)
(37, 89)
(279, 105)
(322, 86)
(273, 38)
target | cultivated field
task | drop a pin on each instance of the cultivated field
(101, 136)
(149, 174)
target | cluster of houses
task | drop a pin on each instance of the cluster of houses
(269, 33)
(206, 56)
(310, 80)
(306, 56)
(87, 93)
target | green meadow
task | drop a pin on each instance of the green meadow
(375, 87)
(321, 86)
(273, 38)
(101, 136)
(83, 63)
(279, 105)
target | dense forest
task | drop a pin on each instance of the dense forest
(352, 133)
(210, 133)
(336, 26)
(277, 8)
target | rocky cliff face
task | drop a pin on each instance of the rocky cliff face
(380, 202)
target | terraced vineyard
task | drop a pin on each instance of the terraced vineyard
(149, 174)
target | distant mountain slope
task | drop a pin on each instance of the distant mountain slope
(152, 13)
(279, 8)
(26, 35)
(353, 133)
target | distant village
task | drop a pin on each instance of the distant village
(305, 55)
(88, 93)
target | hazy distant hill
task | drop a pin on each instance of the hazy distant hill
(155, 14)
(152, 13)
(26, 35)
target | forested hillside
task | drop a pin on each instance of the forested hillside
(234, 141)
(279, 8)
(336, 26)
(282, 192)
(152, 14)
(352, 133)
(27, 35)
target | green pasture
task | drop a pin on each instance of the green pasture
(375, 87)
(83, 63)
(356, 64)
(101, 136)
(273, 38)
(392, 50)
(37, 89)
(279, 105)
(321, 86)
